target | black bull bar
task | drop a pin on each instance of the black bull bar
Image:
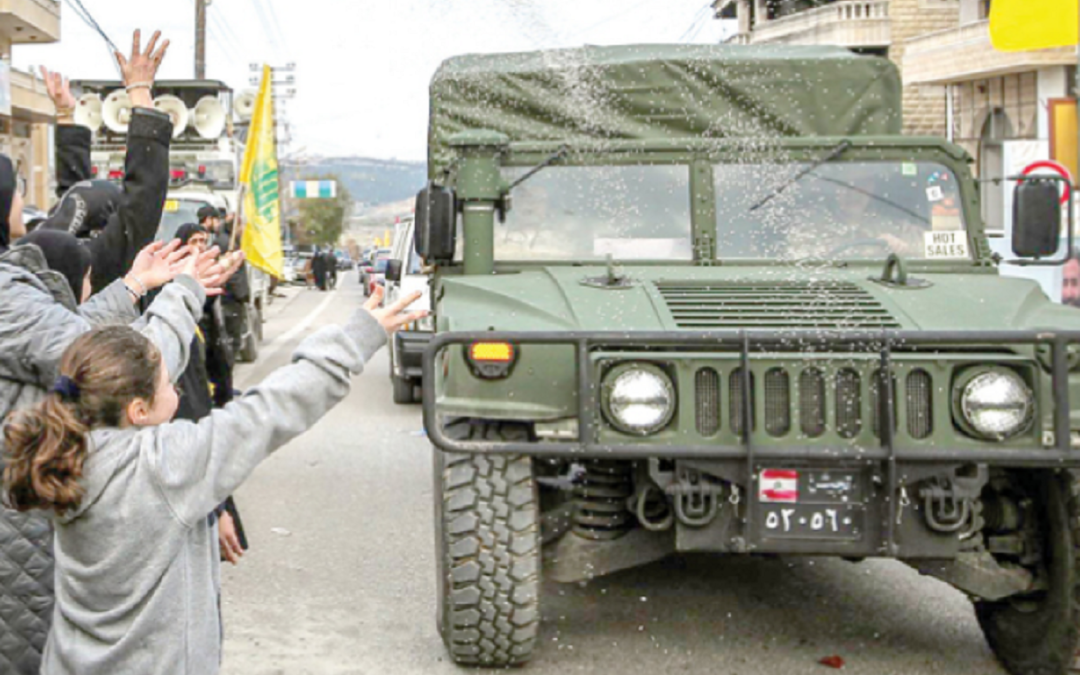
(882, 342)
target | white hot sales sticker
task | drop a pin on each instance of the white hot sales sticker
(944, 245)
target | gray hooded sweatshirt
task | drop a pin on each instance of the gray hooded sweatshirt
(39, 319)
(137, 562)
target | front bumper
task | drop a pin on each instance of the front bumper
(1059, 453)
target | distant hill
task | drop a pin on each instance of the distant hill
(373, 182)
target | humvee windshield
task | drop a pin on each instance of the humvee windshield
(586, 212)
(839, 210)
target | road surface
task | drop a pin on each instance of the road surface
(340, 577)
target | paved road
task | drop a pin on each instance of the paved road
(340, 578)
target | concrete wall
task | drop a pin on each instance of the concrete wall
(924, 105)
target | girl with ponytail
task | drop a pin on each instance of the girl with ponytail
(47, 445)
(137, 562)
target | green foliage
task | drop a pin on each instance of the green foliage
(323, 220)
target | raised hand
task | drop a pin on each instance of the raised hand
(392, 318)
(140, 69)
(60, 92)
(156, 265)
(212, 272)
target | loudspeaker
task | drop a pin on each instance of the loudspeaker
(208, 117)
(116, 111)
(244, 105)
(176, 110)
(88, 111)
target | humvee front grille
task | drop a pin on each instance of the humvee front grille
(920, 420)
(707, 393)
(855, 400)
(834, 305)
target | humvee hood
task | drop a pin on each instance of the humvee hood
(735, 297)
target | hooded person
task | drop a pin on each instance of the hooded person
(115, 220)
(64, 254)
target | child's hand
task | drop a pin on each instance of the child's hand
(228, 540)
(391, 318)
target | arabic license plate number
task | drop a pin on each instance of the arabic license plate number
(812, 521)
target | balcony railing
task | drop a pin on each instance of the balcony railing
(850, 23)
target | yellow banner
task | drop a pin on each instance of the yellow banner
(1020, 25)
(259, 176)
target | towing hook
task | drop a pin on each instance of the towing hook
(944, 510)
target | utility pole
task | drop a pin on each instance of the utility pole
(200, 39)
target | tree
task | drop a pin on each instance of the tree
(324, 219)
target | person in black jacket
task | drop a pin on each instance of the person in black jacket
(116, 222)
(205, 384)
(234, 303)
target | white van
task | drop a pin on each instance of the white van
(404, 275)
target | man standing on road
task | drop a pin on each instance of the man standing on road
(237, 291)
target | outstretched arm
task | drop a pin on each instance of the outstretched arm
(146, 167)
(200, 464)
(72, 141)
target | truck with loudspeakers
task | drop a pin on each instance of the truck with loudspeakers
(707, 298)
(204, 158)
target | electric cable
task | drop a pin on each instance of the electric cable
(277, 26)
(83, 13)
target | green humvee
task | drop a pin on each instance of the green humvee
(708, 298)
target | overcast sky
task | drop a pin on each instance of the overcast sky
(362, 66)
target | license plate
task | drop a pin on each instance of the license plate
(811, 504)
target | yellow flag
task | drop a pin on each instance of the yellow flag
(1019, 25)
(259, 176)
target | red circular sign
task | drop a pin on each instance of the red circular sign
(1057, 168)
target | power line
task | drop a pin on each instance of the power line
(267, 28)
(698, 22)
(87, 18)
(622, 13)
(277, 26)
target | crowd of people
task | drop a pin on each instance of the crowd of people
(123, 436)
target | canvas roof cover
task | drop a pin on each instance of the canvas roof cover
(664, 91)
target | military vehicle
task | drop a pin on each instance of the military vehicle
(708, 298)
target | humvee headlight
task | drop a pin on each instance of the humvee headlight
(638, 398)
(997, 404)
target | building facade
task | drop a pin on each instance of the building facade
(27, 114)
(877, 27)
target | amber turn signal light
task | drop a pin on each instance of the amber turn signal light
(491, 360)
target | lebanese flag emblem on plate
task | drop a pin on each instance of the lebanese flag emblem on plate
(778, 485)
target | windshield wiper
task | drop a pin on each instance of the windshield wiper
(833, 154)
(559, 154)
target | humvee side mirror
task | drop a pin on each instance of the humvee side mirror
(1036, 218)
(393, 270)
(436, 223)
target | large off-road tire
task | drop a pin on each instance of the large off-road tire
(1038, 634)
(487, 536)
